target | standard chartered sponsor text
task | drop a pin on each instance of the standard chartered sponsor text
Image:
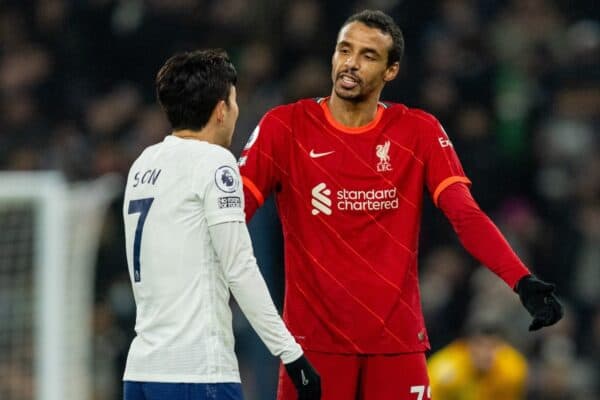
(367, 200)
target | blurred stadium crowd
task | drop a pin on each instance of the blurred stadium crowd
(516, 84)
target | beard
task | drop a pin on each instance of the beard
(355, 97)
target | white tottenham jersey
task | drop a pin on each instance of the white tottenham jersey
(182, 267)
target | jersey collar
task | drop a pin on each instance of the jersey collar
(350, 129)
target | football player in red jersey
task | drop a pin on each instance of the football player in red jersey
(348, 173)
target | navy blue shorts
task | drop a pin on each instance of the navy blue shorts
(181, 391)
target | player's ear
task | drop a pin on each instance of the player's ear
(219, 111)
(391, 72)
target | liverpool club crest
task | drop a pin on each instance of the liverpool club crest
(382, 151)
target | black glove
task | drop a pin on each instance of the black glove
(305, 378)
(539, 299)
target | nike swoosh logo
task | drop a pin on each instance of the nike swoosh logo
(304, 380)
(317, 155)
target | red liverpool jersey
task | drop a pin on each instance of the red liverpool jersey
(350, 202)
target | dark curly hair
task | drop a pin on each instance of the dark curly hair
(189, 86)
(385, 23)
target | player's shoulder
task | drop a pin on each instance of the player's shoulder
(150, 150)
(216, 164)
(421, 117)
(217, 155)
(194, 155)
(393, 108)
(146, 153)
(280, 115)
(284, 113)
(408, 115)
(424, 124)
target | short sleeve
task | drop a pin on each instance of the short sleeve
(442, 166)
(262, 160)
(223, 192)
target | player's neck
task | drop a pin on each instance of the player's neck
(352, 114)
(206, 134)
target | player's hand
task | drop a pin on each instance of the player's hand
(539, 299)
(305, 378)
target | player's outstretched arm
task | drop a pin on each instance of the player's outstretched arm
(539, 299)
(482, 239)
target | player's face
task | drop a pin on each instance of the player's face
(359, 64)
(231, 113)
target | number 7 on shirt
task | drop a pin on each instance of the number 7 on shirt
(141, 206)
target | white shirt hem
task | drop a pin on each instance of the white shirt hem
(166, 378)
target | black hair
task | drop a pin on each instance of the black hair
(189, 85)
(385, 23)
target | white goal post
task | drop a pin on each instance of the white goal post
(49, 233)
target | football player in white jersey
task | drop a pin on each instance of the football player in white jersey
(188, 247)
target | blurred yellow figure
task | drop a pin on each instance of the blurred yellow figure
(479, 367)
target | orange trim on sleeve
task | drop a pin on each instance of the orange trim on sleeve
(254, 190)
(351, 129)
(447, 182)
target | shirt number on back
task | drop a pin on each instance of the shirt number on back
(141, 206)
(420, 391)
